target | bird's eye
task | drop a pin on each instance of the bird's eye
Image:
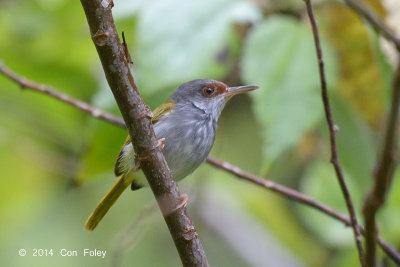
(208, 91)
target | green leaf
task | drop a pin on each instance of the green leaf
(280, 57)
(200, 44)
(356, 148)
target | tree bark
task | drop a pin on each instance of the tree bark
(137, 117)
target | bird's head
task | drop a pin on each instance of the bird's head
(207, 95)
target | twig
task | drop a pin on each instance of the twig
(138, 121)
(384, 171)
(386, 163)
(283, 190)
(280, 189)
(126, 50)
(332, 132)
(298, 197)
(375, 22)
(25, 83)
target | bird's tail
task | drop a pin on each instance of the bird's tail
(107, 201)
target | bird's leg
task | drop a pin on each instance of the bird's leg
(146, 114)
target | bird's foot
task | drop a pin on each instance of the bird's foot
(146, 156)
(147, 114)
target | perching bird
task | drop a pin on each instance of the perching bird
(185, 125)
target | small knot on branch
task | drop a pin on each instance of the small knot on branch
(189, 234)
(335, 128)
(107, 4)
(96, 112)
(100, 38)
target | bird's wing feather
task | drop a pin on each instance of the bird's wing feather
(158, 115)
(161, 111)
(118, 169)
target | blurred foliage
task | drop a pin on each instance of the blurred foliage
(57, 161)
(356, 55)
(284, 47)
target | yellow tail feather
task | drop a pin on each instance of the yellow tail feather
(107, 201)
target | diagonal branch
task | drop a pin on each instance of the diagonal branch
(25, 83)
(277, 188)
(384, 171)
(137, 117)
(378, 25)
(270, 185)
(332, 133)
(386, 163)
(298, 197)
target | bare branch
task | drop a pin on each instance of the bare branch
(138, 121)
(384, 171)
(386, 163)
(25, 83)
(371, 18)
(283, 190)
(298, 197)
(332, 133)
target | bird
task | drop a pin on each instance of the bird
(185, 126)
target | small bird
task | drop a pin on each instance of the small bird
(185, 126)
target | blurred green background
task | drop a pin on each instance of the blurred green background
(57, 161)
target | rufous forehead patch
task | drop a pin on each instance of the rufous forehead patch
(220, 87)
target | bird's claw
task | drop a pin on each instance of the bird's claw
(138, 159)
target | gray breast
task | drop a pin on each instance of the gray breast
(189, 138)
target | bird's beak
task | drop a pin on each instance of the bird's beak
(231, 91)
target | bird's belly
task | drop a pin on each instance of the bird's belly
(185, 148)
(184, 158)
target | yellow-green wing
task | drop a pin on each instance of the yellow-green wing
(158, 115)
(118, 171)
(162, 110)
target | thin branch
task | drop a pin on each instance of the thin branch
(137, 117)
(298, 197)
(280, 189)
(283, 190)
(25, 83)
(371, 18)
(386, 162)
(384, 171)
(332, 132)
